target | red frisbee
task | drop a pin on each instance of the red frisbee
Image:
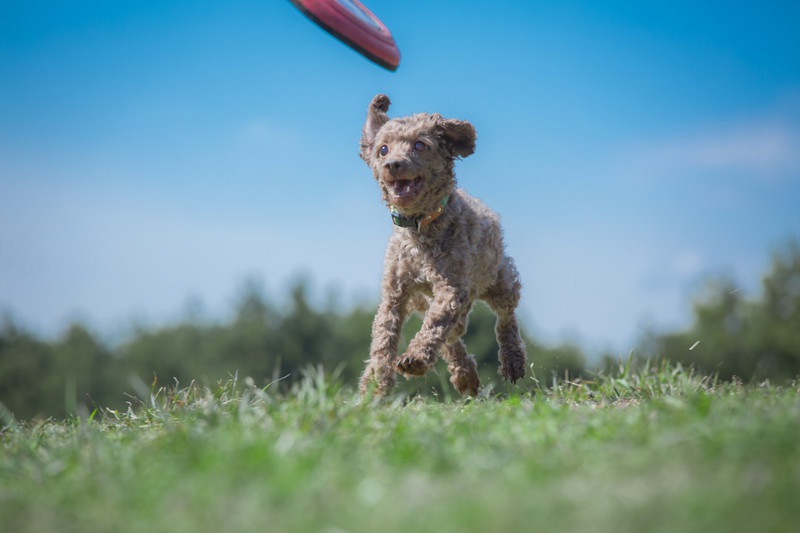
(355, 25)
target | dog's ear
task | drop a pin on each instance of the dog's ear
(459, 136)
(376, 118)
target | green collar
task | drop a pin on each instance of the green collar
(420, 222)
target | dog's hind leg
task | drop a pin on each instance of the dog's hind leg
(462, 367)
(503, 298)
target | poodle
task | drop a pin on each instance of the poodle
(445, 251)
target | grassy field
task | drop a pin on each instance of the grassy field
(653, 450)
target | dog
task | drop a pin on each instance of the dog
(446, 251)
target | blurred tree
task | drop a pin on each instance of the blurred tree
(259, 341)
(85, 371)
(305, 335)
(248, 345)
(28, 385)
(751, 339)
(778, 318)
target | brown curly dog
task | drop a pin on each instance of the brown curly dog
(446, 250)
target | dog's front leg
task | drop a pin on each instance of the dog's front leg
(448, 309)
(386, 329)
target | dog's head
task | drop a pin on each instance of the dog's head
(412, 158)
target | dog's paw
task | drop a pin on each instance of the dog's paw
(411, 366)
(512, 366)
(466, 383)
(464, 376)
(378, 378)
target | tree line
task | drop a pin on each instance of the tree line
(731, 336)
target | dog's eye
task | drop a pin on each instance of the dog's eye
(420, 146)
(383, 150)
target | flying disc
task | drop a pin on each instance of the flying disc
(355, 25)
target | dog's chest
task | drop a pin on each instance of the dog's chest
(426, 259)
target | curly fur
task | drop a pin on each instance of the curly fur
(439, 270)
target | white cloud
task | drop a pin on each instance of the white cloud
(687, 264)
(766, 148)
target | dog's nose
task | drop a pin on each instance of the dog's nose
(394, 165)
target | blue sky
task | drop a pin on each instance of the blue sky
(159, 153)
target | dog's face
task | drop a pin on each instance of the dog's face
(412, 157)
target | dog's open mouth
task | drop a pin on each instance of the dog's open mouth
(404, 190)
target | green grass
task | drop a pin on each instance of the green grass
(657, 449)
